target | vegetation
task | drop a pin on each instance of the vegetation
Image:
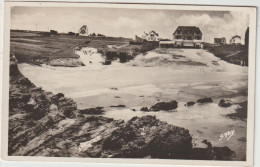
(37, 47)
(236, 54)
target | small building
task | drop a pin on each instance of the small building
(187, 36)
(151, 36)
(71, 33)
(220, 41)
(83, 31)
(235, 40)
(53, 32)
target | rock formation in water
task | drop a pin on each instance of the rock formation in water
(166, 106)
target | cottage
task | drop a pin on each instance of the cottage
(235, 40)
(152, 36)
(220, 41)
(53, 32)
(187, 36)
(83, 31)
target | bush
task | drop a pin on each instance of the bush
(149, 45)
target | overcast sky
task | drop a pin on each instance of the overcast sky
(128, 22)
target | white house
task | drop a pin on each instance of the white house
(151, 36)
(235, 40)
(83, 31)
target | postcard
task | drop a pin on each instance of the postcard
(128, 83)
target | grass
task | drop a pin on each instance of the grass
(230, 53)
(34, 47)
(41, 47)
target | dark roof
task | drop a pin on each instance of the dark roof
(236, 36)
(220, 38)
(154, 33)
(193, 29)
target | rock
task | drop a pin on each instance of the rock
(144, 137)
(53, 107)
(166, 106)
(13, 69)
(107, 62)
(222, 153)
(204, 151)
(133, 109)
(36, 89)
(97, 110)
(190, 103)
(65, 62)
(24, 97)
(144, 109)
(55, 98)
(199, 144)
(25, 82)
(120, 105)
(241, 112)
(205, 100)
(66, 105)
(31, 105)
(223, 103)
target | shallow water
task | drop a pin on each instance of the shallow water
(150, 81)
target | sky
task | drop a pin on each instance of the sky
(129, 22)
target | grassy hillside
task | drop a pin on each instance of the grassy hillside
(38, 47)
(235, 54)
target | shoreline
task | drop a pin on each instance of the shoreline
(38, 112)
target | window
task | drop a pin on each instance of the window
(188, 38)
(177, 37)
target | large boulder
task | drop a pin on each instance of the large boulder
(190, 103)
(205, 100)
(144, 137)
(97, 110)
(166, 106)
(65, 105)
(224, 103)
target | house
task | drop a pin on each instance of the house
(235, 40)
(83, 31)
(187, 36)
(151, 36)
(53, 32)
(220, 41)
(71, 33)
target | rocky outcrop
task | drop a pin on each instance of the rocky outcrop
(224, 103)
(166, 106)
(144, 109)
(190, 103)
(65, 62)
(204, 150)
(144, 137)
(241, 112)
(97, 111)
(205, 100)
